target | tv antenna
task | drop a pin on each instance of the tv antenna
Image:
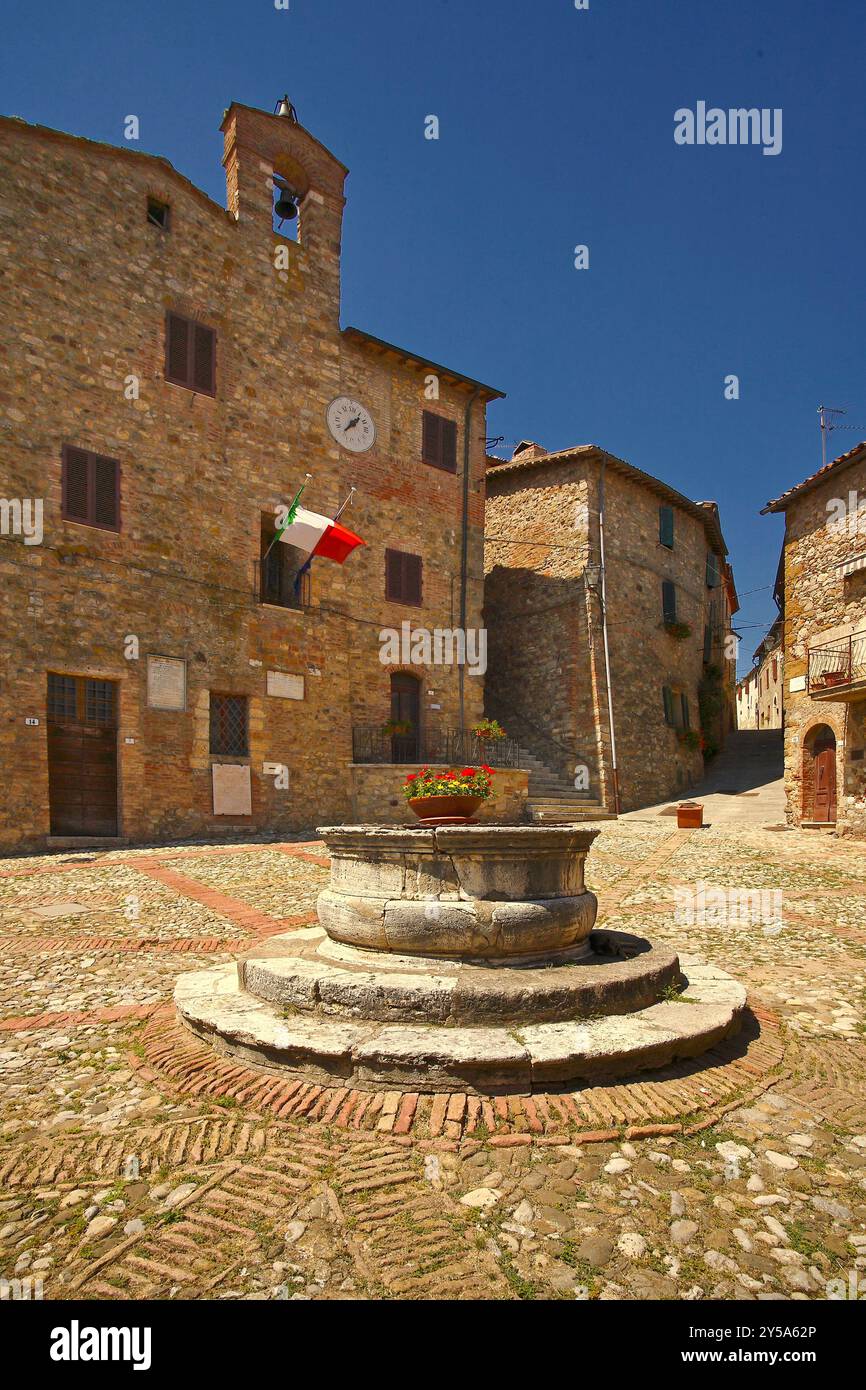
(827, 426)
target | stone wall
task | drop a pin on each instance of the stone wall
(377, 798)
(822, 605)
(85, 284)
(547, 682)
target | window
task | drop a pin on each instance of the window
(676, 707)
(669, 601)
(713, 573)
(666, 527)
(91, 488)
(708, 643)
(190, 354)
(280, 580)
(439, 442)
(158, 214)
(228, 725)
(668, 698)
(403, 577)
(82, 700)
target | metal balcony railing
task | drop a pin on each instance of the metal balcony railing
(276, 586)
(454, 747)
(837, 666)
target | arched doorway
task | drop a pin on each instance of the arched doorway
(405, 712)
(819, 775)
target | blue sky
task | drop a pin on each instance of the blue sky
(556, 129)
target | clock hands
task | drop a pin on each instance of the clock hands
(351, 425)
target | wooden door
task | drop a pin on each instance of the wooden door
(825, 782)
(82, 755)
(405, 709)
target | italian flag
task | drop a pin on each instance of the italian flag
(317, 535)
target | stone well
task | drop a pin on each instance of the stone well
(460, 958)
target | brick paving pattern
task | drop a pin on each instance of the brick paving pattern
(136, 1163)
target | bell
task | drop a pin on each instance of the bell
(285, 207)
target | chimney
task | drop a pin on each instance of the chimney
(526, 449)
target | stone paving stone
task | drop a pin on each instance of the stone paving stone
(680, 1184)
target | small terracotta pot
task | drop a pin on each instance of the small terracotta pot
(690, 817)
(429, 808)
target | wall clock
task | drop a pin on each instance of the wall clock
(351, 424)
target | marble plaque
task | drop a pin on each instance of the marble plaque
(231, 789)
(285, 686)
(166, 682)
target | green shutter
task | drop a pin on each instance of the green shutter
(668, 698)
(666, 526)
(685, 706)
(712, 570)
(669, 601)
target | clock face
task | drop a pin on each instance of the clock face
(351, 425)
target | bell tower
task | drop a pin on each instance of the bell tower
(270, 157)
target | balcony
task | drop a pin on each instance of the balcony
(837, 670)
(454, 747)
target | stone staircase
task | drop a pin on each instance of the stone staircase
(553, 799)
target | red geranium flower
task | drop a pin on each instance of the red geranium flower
(468, 772)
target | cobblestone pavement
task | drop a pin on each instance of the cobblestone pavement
(134, 1164)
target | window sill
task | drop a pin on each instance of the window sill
(283, 608)
(91, 525)
(182, 386)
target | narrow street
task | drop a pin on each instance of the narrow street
(743, 785)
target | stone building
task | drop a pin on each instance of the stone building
(618, 710)
(747, 700)
(822, 592)
(760, 692)
(172, 370)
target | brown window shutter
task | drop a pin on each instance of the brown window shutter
(177, 349)
(439, 442)
(449, 446)
(412, 579)
(75, 489)
(393, 574)
(431, 439)
(105, 492)
(204, 343)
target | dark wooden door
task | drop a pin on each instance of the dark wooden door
(405, 709)
(825, 782)
(82, 756)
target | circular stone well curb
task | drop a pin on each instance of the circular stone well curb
(368, 1054)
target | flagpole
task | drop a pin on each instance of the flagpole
(289, 516)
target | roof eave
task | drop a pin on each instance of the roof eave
(414, 359)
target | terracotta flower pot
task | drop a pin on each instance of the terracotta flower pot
(451, 808)
(690, 817)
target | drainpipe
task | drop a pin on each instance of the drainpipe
(464, 547)
(614, 770)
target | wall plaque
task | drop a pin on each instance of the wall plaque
(231, 789)
(285, 686)
(166, 682)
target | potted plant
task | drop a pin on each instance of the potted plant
(438, 795)
(679, 631)
(690, 815)
(690, 737)
(833, 678)
(488, 730)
